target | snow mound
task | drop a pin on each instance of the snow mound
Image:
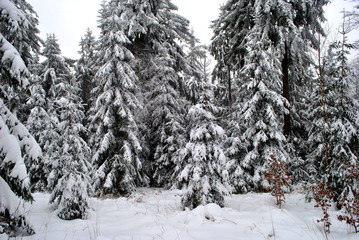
(211, 212)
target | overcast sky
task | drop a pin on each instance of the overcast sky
(69, 19)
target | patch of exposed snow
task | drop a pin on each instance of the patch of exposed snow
(156, 214)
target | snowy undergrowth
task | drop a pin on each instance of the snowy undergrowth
(156, 214)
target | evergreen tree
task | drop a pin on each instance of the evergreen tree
(16, 143)
(205, 65)
(259, 104)
(154, 31)
(201, 163)
(228, 44)
(70, 193)
(19, 27)
(198, 61)
(85, 67)
(115, 141)
(334, 133)
(195, 54)
(165, 118)
(37, 122)
(56, 73)
(261, 127)
(286, 30)
(55, 68)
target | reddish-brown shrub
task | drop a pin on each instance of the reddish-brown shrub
(323, 196)
(278, 179)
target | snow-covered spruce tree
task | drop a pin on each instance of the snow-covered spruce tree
(297, 67)
(165, 122)
(334, 133)
(116, 148)
(230, 28)
(200, 167)
(260, 106)
(18, 24)
(205, 65)
(85, 67)
(195, 53)
(15, 140)
(20, 28)
(55, 73)
(66, 153)
(343, 135)
(37, 123)
(55, 67)
(291, 27)
(71, 191)
(198, 61)
(155, 32)
(318, 146)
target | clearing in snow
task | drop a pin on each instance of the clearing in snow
(157, 214)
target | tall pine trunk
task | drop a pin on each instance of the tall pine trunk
(286, 91)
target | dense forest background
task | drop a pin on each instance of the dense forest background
(142, 106)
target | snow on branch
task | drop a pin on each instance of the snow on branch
(15, 16)
(16, 128)
(11, 152)
(12, 60)
(8, 200)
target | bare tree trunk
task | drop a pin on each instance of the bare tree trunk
(286, 90)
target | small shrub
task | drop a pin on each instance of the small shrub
(323, 196)
(278, 179)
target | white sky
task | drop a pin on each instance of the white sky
(69, 19)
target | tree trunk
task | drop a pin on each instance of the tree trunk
(286, 92)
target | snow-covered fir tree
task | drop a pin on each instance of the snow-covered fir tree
(155, 30)
(301, 34)
(227, 44)
(14, 180)
(37, 123)
(116, 148)
(165, 118)
(66, 154)
(195, 53)
(205, 65)
(256, 125)
(55, 74)
(287, 32)
(55, 67)
(19, 27)
(334, 133)
(85, 67)
(72, 166)
(16, 143)
(201, 163)
(198, 61)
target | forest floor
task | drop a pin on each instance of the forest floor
(157, 214)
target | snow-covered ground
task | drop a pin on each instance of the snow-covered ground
(157, 214)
